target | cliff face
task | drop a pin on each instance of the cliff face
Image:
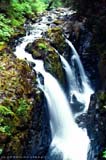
(96, 120)
(87, 30)
(92, 14)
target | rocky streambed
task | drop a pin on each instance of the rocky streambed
(24, 120)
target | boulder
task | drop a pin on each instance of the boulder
(96, 128)
(42, 49)
(57, 39)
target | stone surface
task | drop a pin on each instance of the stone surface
(96, 129)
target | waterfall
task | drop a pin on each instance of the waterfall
(70, 74)
(82, 94)
(75, 57)
(66, 136)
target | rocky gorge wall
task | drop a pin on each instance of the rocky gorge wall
(89, 37)
(24, 127)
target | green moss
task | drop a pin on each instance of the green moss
(42, 49)
(6, 129)
(24, 109)
(39, 48)
(42, 46)
(16, 103)
(56, 37)
(5, 111)
(102, 96)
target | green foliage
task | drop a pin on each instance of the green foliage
(6, 129)
(57, 3)
(5, 111)
(5, 30)
(15, 13)
(23, 107)
(39, 6)
(21, 8)
(104, 154)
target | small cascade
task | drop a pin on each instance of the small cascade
(67, 138)
(75, 57)
(70, 74)
(83, 93)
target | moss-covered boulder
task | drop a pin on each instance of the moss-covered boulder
(57, 39)
(42, 49)
(39, 49)
(16, 104)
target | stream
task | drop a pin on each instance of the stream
(69, 142)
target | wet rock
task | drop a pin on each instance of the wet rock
(49, 18)
(41, 78)
(42, 49)
(19, 32)
(39, 49)
(76, 105)
(81, 120)
(58, 22)
(31, 64)
(96, 129)
(57, 40)
(39, 135)
(102, 69)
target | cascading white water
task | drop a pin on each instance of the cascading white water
(82, 96)
(70, 75)
(66, 136)
(77, 59)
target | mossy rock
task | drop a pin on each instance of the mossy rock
(53, 65)
(102, 101)
(39, 49)
(16, 103)
(42, 49)
(57, 40)
(58, 22)
(16, 144)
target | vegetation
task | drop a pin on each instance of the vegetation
(104, 154)
(16, 84)
(13, 14)
(15, 102)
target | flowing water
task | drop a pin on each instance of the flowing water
(68, 139)
(81, 92)
(66, 136)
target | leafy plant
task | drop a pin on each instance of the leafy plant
(104, 154)
(39, 6)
